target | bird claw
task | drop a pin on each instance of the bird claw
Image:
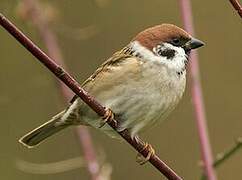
(109, 116)
(140, 159)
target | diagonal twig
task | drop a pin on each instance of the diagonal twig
(237, 6)
(197, 97)
(139, 145)
(222, 157)
(33, 11)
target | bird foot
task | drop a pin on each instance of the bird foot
(140, 159)
(109, 116)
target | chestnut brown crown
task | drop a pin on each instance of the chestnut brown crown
(153, 36)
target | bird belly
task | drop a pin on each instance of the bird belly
(136, 104)
(134, 109)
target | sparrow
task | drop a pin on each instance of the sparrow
(142, 83)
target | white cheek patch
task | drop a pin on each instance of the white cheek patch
(177, 63)
(145, 53)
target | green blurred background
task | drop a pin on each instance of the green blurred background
(29, 96)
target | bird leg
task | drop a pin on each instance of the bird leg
(108, 116)
(147, 147)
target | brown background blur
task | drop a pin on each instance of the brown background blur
(29, 96)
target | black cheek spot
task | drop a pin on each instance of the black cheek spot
(168, 53)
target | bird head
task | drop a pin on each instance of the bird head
(166, 43)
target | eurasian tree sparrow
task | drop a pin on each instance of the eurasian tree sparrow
(142, 84)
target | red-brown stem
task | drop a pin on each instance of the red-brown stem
(33, 10)
(197, 97)
(237, 6)
(139, 145)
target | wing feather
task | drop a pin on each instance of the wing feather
(119, 57)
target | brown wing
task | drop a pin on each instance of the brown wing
(115, 60)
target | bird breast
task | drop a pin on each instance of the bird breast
(143, 98)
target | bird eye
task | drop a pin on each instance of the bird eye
(175, 41)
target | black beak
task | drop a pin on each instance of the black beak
(193, 44)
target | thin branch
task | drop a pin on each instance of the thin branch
(61, 166)
(222, 157)
(139, 145)
(197, 97)
(237, 6)
(32, 8)
(51, 168)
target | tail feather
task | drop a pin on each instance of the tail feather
(39, 134)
